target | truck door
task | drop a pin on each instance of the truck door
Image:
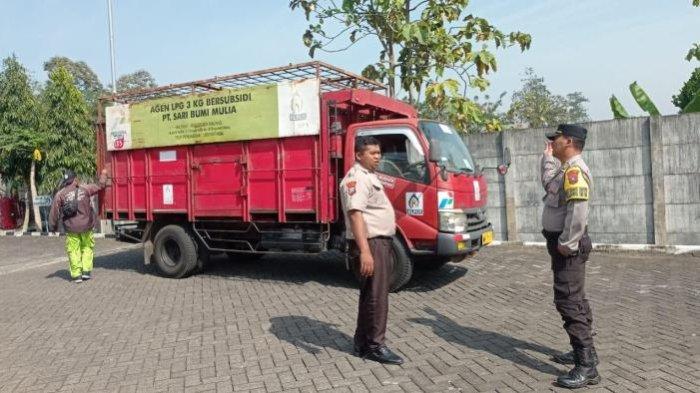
(405, 172)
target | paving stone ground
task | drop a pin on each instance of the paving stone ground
(285, 324)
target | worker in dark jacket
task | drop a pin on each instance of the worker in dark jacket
(72, 206)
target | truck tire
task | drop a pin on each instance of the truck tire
(175, 251)
(403, 266)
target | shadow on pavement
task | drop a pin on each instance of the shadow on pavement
(327, 268)
(426, 280)
(505, 347)
(124, 260)
(309, 334)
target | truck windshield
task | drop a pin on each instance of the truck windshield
(454, 153)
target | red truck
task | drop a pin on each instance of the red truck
(195, 169)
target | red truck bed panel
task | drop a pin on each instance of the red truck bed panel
(227, 180)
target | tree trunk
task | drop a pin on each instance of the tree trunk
(25, 222)
(392, 69)
(32, 185)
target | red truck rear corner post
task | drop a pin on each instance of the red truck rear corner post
(249, 164)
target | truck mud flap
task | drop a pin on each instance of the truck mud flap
(147, 252)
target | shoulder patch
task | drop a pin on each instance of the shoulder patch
(351, 187)
(576, 187)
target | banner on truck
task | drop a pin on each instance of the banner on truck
(277, 110)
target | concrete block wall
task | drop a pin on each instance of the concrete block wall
(490, 155)
(681, 159)
(646, 180)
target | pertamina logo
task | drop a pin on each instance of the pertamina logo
(446, 200)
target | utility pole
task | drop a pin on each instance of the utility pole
(111, 46)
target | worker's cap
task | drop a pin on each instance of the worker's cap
(569, 130)
(68, 176)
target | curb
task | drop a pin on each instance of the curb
(603, 247)
(49, 234)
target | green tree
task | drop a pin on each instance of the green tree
(693, 52)
(20, 132)
(428, 45)
(493, 116)
(140, 79)
(690, 88)
(84, 79)
(535, 106)
(70, 138)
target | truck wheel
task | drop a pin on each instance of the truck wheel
(403, 267)
(175, 251)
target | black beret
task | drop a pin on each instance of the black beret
(570, 130)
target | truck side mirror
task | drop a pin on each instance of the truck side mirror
(436, 157)
(435, 152)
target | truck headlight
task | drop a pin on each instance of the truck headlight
(454, 222)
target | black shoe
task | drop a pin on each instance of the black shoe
(568, 357)
(358, 351)
(86, 276)
(584, 372)
(383, 355)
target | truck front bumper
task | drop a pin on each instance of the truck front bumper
(457, 244)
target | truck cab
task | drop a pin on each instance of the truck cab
(437, 191)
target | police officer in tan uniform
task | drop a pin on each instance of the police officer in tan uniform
(567, 182)
(370, 223)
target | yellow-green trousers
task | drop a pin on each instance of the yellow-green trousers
(80, 248)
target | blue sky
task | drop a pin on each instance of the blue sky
(597, 47)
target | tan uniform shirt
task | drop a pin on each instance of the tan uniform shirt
(361, 190)
(566, 200)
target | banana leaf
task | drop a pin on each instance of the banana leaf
(617, 109)
(643, 100)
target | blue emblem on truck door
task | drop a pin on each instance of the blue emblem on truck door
(446, 200)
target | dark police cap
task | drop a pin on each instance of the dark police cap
(568, 130)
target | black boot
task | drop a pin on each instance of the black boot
(584, 372)
(568, 357)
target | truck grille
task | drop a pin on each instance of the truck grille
(476, 221)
